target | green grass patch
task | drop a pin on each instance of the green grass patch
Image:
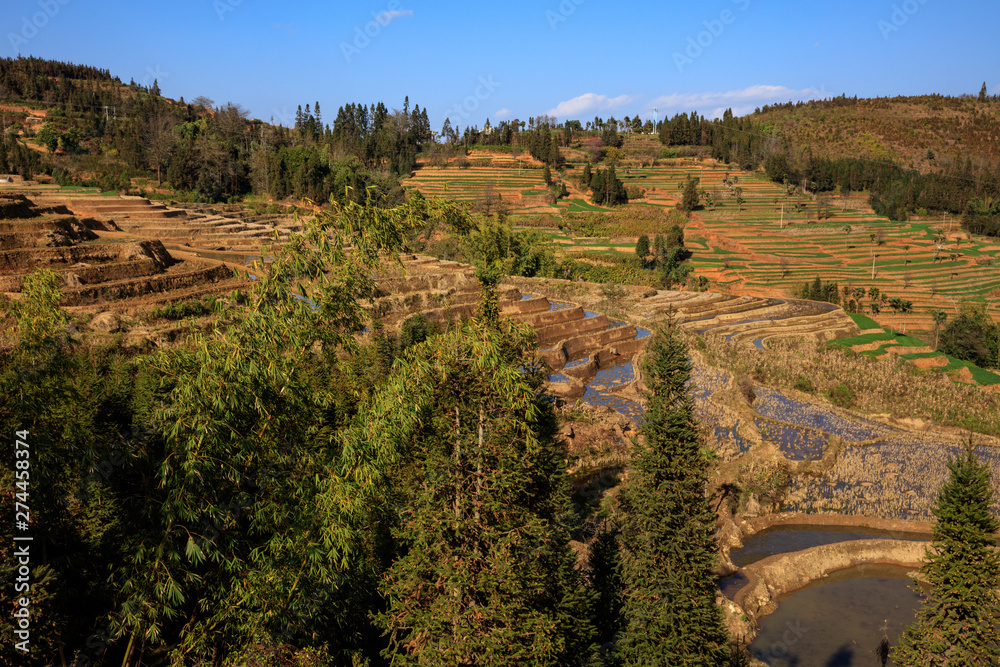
(888, 336)
(863, 321)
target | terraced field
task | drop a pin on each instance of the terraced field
(590, 354)
(124, 254)
(775, 241)
(518, 181)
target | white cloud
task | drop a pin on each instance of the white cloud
(385, 18)
(586, 103)
(742, 102)
(502, 114)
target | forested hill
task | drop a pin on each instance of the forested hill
(83, 126)
(924, 133)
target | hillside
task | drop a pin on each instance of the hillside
(899, 129)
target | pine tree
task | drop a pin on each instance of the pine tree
(667, 541)
(957, 622)
(983, 93)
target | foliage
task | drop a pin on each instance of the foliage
(524, 253)
(180, 309)
(803, 383)
(690, 200)
(841, 396)
(667, 540)
(608, 188)
(817, 290)
(39, 318)
(642, 247)
(972, 337)
(219, 545)
(485, 573)
(956, 624)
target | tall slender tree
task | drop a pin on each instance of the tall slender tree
(957, 622)
(485, 575)
(668, 549)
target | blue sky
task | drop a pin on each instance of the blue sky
(568, 58)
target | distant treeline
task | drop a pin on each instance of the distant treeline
(960, 187)
(215, 152)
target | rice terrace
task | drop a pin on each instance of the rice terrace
(339, 388)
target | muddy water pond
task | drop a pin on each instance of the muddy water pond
(791, 537)
(838, 621)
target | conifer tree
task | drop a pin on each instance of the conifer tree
(957, 622)
(690, 200)
(667, 540)
(642, 247)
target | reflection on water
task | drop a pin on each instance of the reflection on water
(796, 443)
(558, 377)
(730, 586)
(786, 539)
(613, 377)
(837, 622)
(895, 478)
(773, 404)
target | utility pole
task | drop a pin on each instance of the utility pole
(874, 255)
(782, 215)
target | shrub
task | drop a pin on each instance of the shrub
(802, 383)
(841, 396)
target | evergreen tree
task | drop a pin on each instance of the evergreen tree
(642, 247)
(605, 580)
(668, 548)
(690, 200)
(547, 175)
(957, 622)
(982, 93)
(486, 575)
